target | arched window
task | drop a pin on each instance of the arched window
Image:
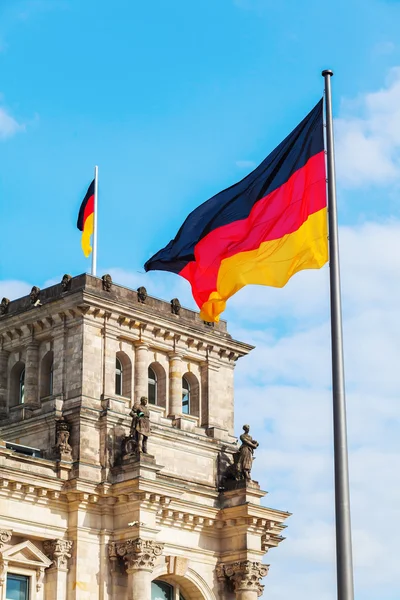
(152, 386)
(185, 396)
(118, 377)
(123, 375)
(17, 384)
(46, 375)
(164, 591)
(21, 394)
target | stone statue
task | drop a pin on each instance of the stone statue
(245, 454)
(4, 306)
(175, 306)
(141, 294)
(107, 282)
(34, 296)
(140, 426)
(66, 282)
(62, 447)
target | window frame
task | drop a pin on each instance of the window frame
(120, 375)
(152, 381)
(17, 575)
(185, 403)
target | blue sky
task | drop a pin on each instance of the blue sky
(175, 101)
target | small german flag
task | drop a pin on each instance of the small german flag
(85, 219)
(261, 230)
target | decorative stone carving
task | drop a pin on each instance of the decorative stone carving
(66, 283)
(39, 578)
(5, 536)
(136, 553)
(107, 282)
(246, 575)
(59, 551)
(142, 294)
(175, 306)
(34, 296)
(3, 571)
(209, 323)
(62, 448)
(177, 565)
(136, 442)
(243, 458)
(4, 306)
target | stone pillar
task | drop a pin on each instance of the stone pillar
(139, 557)
(59, 551)
(32, 374)
(141, 370)
(3, 382)
(175, 384)
(246, 578)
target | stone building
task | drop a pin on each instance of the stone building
(84, 512)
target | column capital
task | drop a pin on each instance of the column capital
(245, 575)
(175, 355)
(140, 344)
(138, 554)
(59, 551)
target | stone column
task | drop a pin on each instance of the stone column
(141, 370)
(59, 551)
(32, 374)
(246, 577)
(3, 382)
(175, 384)
(139, 557)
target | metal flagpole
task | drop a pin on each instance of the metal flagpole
(94, 251)
(344, 559)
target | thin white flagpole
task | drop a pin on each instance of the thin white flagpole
(94, 251)
(344, 558)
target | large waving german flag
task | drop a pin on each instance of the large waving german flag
(85, 219)
(261, 230)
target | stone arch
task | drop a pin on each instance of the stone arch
(125, 387)
(16, 384)
(192, 585)
(46, 375)
(194, 403)
(161, 384)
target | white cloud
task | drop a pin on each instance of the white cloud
(13, 289)
(8, 125)
(368, 136)
(283, 390)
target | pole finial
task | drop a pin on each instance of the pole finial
(327, 72)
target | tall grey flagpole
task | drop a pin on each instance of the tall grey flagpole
(344, 558)
(94, 250)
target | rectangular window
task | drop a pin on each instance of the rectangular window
(17, 587)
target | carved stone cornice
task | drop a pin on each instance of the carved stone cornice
(245, 575)
(59, 551)
(5, 536)
(138, 554)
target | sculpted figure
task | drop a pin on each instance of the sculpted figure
(141, 294)
(66, 282)
(107, 282)
(140, 426)
(4, 306)
(34, 295)
(246, 451)
(175, 306)
(63, 448)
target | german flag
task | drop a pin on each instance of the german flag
(85, 219)
(261, 230)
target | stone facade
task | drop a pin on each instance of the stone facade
(80, 516)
